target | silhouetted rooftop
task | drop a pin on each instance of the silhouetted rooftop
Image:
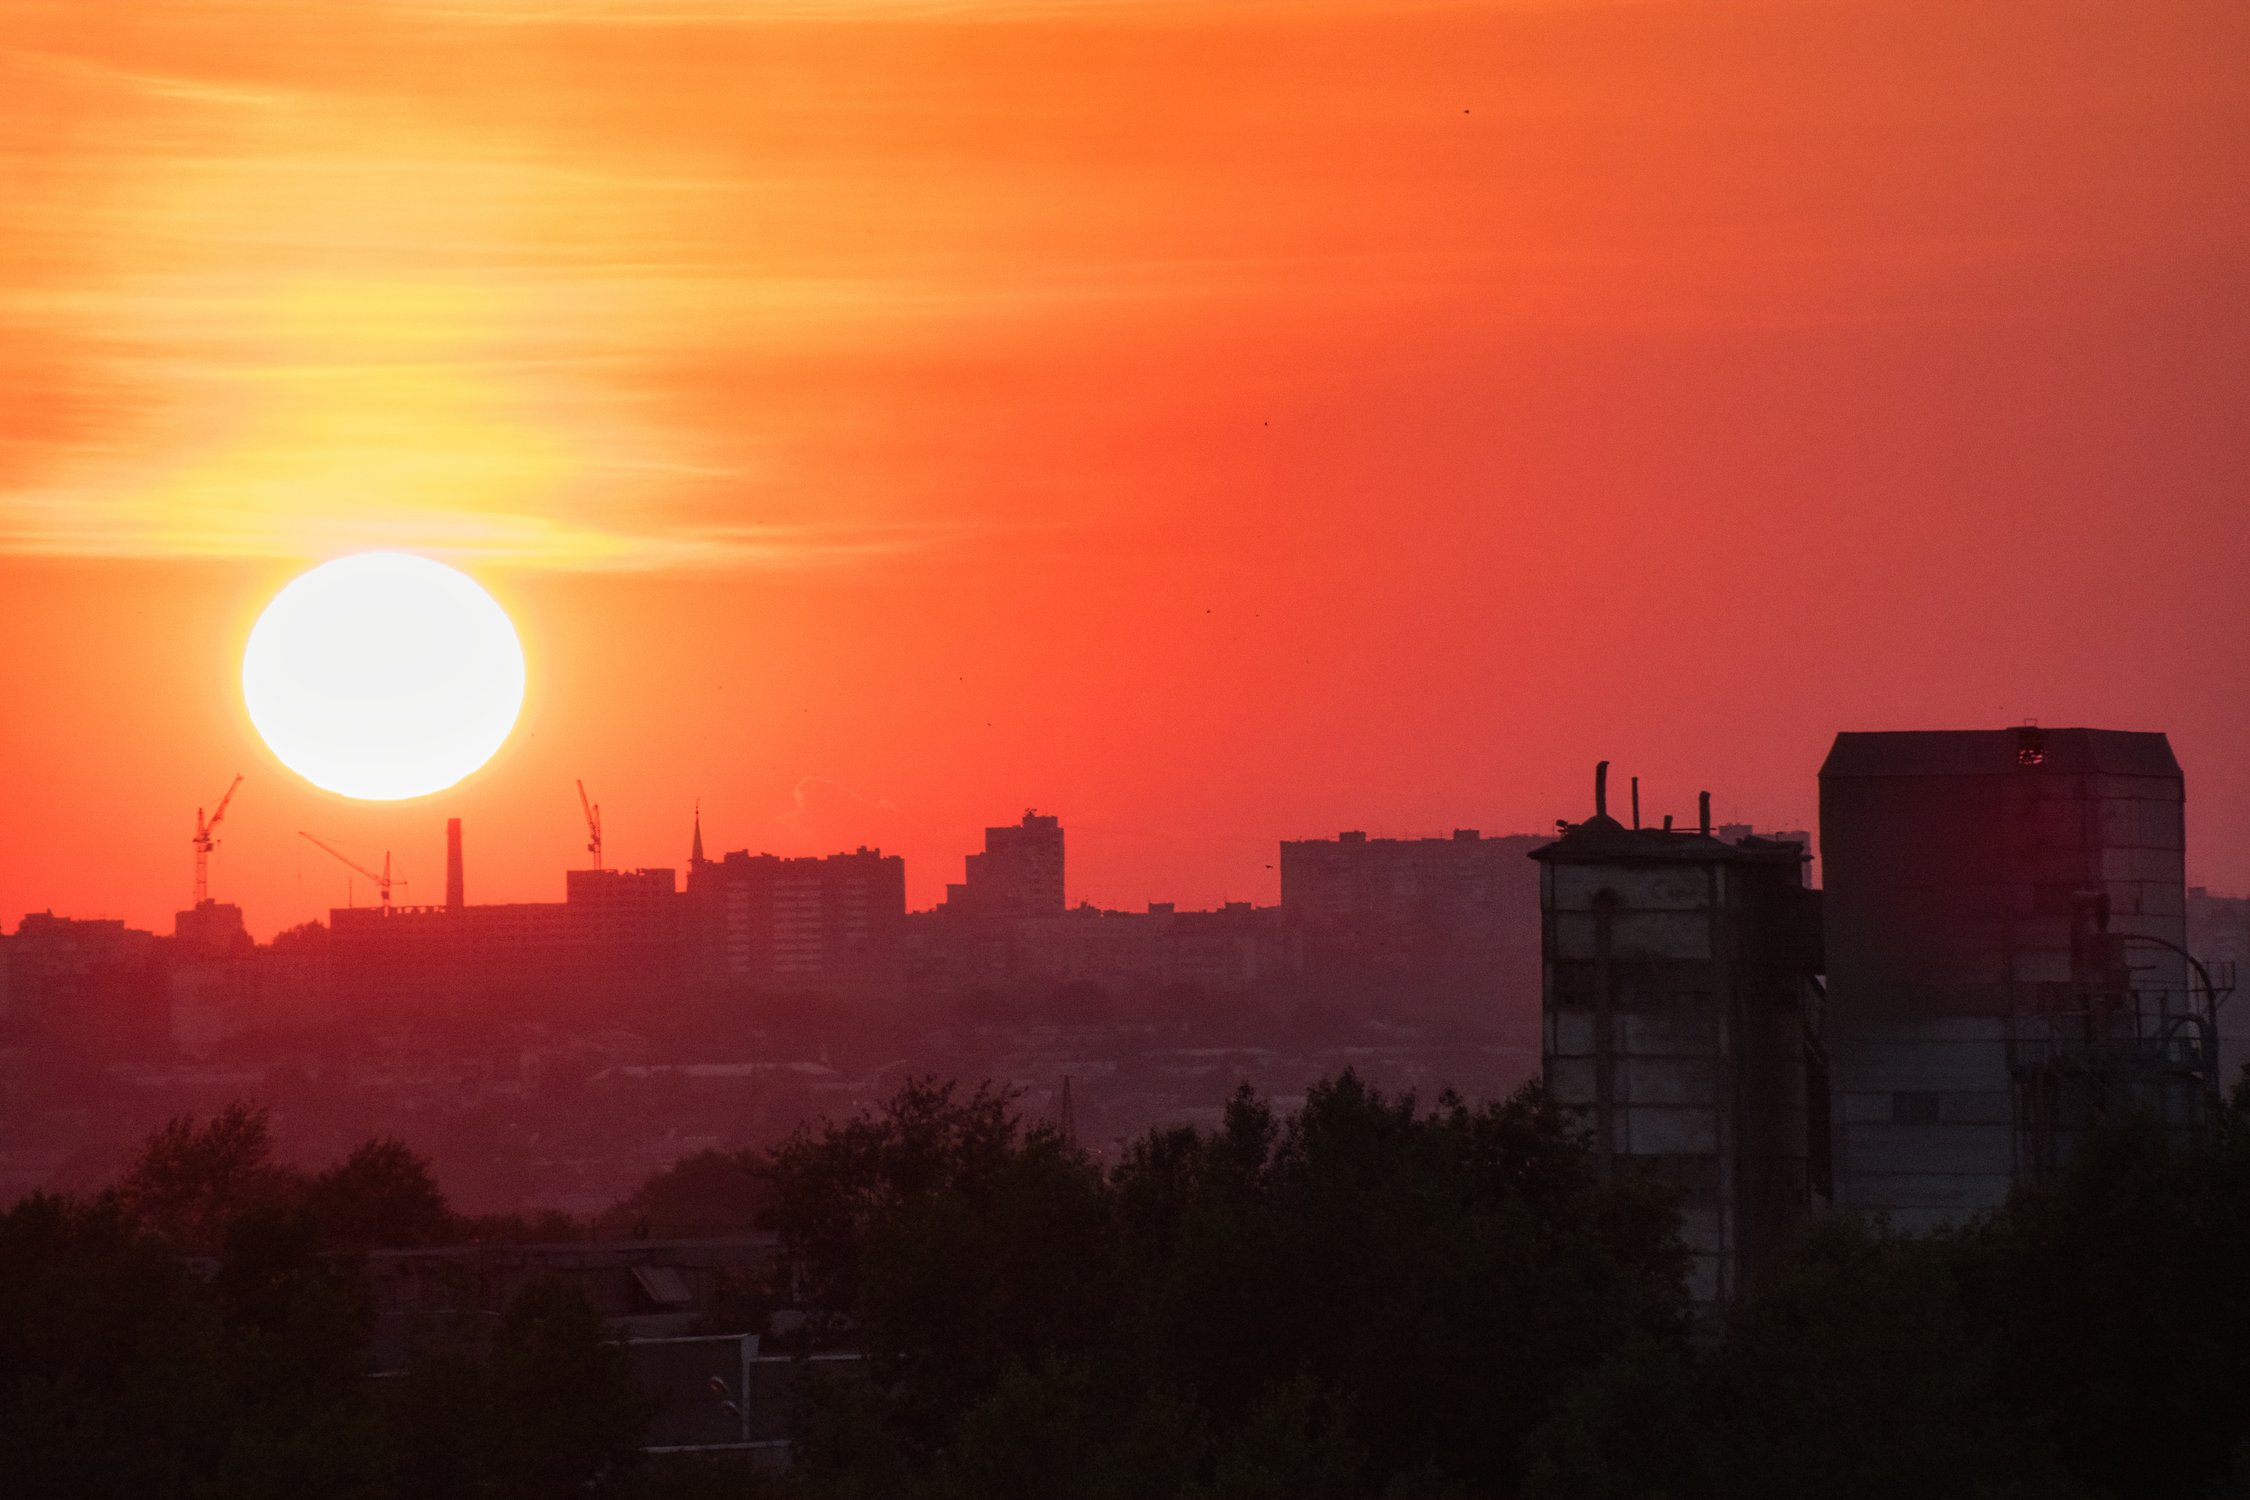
(1999, 752)
(1602, 838)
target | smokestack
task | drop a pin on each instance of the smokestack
(453, 900)
(1601, 788)
(1636, 802)
(1703, 811)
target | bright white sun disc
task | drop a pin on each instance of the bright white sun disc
(383, 675)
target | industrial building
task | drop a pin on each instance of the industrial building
(2007, 959)
(1681, 1014)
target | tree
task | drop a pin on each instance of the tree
(107, 1341)
(125, 1373)
(1360, 1293)
(954, 1238)
(382, 1195)
(1440, 1276)
(709, 1193)
(191, 1181)
(563, 1407)
(2121, 1313)
(547, 1408)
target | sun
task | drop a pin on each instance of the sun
(383, 675)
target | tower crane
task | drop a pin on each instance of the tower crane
(383, 882)
(593, 811)
(206, 839)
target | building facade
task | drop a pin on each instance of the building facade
(1681, 1019)
(2006, 946)
(1019, 874)
(1445, 923)
(833, 925)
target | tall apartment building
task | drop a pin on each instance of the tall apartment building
(615, 933)
(834, 925)
(1681, 1019)
(628, 922)
(1019, 874)
(95, 981)
(1447, 920)
(2007, 958)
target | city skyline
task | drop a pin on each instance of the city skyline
(1072, 748)
(809, 826)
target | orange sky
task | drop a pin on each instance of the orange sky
(1213, 422)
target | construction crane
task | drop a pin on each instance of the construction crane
(593, 824)
(383, 882)
(206, 839)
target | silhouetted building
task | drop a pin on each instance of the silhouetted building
(629, 921)
(833, 925)
(1019, 874)
(94, 983)
(1234, 948)
(211, 929)
(2005, 935)
(208, 988)
(616, 935)
(1450, 921)
(1681, 1017)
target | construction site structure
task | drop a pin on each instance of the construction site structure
(2007, 966)
(593, 812)
(206, 839)
(1681, 1017)
(382, 879)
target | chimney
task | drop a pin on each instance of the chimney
(1636, 802)
(1703, 811)
(1601, 788)
(453, 899)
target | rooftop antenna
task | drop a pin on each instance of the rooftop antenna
(205, 840)
(593, 824)
(383, 881)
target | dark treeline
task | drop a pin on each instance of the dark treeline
(202, 1330)
(1365, 1297)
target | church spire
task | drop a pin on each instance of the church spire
(695, 851)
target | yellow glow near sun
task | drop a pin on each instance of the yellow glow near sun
(383, 675)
